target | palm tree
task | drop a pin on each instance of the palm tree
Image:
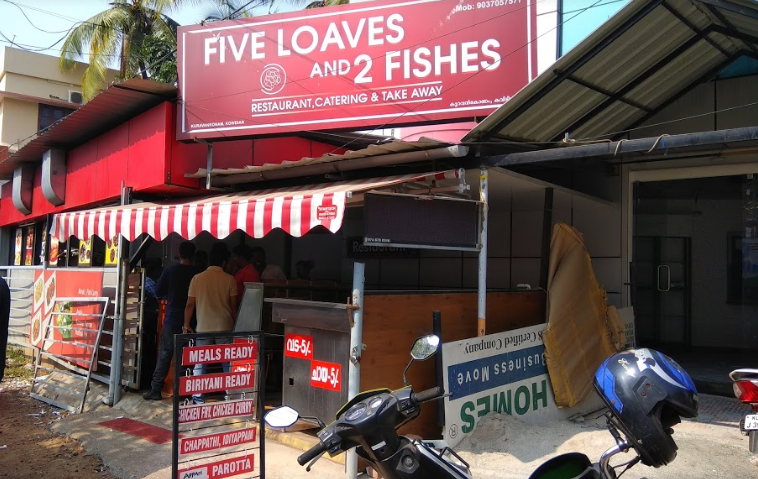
(122, 36)
(326, 3)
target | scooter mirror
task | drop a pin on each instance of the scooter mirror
(425, 347)
(281, 417)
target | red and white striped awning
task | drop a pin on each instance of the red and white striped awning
(296, 210)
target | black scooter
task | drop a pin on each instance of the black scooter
(370, 420)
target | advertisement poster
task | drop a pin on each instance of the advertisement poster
(353, 66)
(503, 373)
(18, 247)
(54, 249)
(111, 251)
(49, 309)
(85, 252)
(29, 248)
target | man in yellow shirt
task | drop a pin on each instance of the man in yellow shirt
(213, 293)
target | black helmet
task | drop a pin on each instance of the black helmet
(647, 393)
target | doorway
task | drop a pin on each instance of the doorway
(694, 273)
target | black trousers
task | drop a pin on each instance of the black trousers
(165, 355)
(4, 320)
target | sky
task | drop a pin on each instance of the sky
(49, 20)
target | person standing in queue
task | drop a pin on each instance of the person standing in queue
(173, 285)
(213, 293)
(245, 271)
(268, 272)
(200, 261)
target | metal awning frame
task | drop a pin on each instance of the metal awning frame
(724, 27)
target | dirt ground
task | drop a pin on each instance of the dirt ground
(28, 449)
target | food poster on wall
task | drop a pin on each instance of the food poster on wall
(49, 288)
(111, 251)
(29, 248)
(85, 252)
(54, 248)
(18, 247)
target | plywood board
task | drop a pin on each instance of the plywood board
(392, 322)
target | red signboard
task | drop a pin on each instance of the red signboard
(245, 364)
(353, 66)
(208, 383)
(69, 330)
(220, 353)
(217, 470)
(189, 445)
(206, 412)
(326, 375)
(298, 346)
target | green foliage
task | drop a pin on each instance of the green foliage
(17, 365)
(128, 36)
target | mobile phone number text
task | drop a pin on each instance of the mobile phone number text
(496, 3)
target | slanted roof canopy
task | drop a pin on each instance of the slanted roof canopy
(643, 59)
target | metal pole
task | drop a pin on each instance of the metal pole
(438, 376)
(484, 212)
(356, 350)
(209, 166)
(119, 316)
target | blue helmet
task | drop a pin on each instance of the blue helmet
(647, 393)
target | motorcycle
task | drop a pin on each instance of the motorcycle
(370, 420)
(746, 390)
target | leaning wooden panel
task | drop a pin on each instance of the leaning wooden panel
(392, 322)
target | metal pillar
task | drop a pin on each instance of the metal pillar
(356, 350)
(482, 283)
(209, 167)
(119, 313)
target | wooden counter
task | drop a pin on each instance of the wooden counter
(392, 322)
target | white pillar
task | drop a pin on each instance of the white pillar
(482, 283)
(356, 350)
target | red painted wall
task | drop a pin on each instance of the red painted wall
(135, 152)
(144, 153)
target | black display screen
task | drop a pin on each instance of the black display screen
(418, 221)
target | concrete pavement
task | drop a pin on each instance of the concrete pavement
(709, 444)
(131, 457)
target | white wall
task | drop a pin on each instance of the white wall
(514, 248)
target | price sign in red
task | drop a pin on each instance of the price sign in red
(298, 346)
(217, 470)
(326, 376)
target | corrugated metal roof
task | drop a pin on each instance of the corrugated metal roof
(640, 61)
(351, 160)
(107, 110)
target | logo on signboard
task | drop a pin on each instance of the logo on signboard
(324, 213)
(273, 79)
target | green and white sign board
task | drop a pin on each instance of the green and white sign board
(502, 373)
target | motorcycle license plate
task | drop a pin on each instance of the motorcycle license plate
(751, 422)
